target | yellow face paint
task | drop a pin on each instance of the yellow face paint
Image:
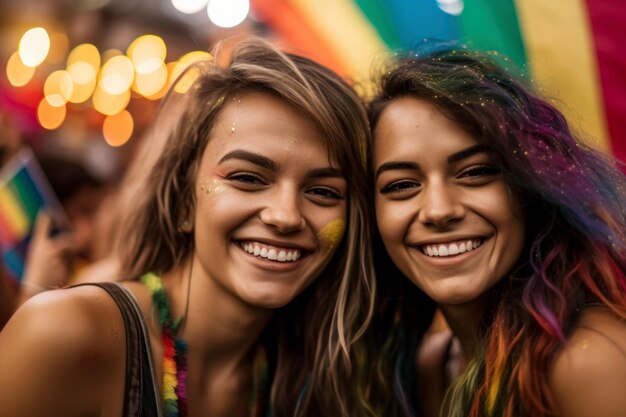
(332, 233)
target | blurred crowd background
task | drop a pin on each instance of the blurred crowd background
(81, 80)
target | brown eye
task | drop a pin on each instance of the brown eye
(325, 192)
(399, 186)
(479, 171)
(247, 178)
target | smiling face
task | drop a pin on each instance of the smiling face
(445, 214)
(270, 204)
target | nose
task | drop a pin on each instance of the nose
(440, 204)
(283, 212)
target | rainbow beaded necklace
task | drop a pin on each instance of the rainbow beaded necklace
(174, 391)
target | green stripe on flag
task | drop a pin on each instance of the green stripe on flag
(493, 25)
(378, 14)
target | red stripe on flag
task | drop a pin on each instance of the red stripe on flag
(282, 17)
(608, 19)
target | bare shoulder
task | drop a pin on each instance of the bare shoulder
(588, 377)
(63, 347)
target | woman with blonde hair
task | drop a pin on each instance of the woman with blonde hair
(244, 263)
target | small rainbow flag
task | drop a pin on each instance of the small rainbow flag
(24, 190)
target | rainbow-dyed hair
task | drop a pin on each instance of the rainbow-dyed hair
(575, 203)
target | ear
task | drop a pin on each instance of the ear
(185, 216)
(185, 221)
(185, 226)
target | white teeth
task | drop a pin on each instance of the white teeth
(451, 249)
(274, 254)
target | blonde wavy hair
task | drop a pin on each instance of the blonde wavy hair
(310, 339)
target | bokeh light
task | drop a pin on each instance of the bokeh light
(117, 75)
(228, 13)
(85, 52)
(50, 117)
(149, 84)
(18, 74)
(84, 77)
(189, 6)
(109, 104)
(147, 53)
(190, 76)
(165, 88)
(58, 88)
(34, 46)
(118, 128)
(453, 7)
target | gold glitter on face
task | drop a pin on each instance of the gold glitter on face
(213, 186)
(232, 128)
(332, 233)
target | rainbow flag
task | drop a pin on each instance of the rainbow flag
(24, 190)
(571, 50)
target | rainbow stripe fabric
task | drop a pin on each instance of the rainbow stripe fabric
(24, 190)
(572, 50)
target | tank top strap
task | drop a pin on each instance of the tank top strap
(141, 393)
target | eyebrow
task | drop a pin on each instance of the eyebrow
(254, 158)
(466, 153)
(390, 166)
(267, 163)
(455, 157)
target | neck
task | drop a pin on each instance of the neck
(464, 321)
(220, 329)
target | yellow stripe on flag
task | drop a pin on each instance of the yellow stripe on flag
(561, 55)
(348, 32)
(16, 216)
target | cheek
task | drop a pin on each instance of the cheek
(211, 187)
(330, 235)
(391, 221)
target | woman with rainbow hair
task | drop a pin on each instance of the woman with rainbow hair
(246, 280)
(513, 229)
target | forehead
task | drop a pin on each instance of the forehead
(266, 124)
(415, 128)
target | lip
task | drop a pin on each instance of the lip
(442, 240)
(275, 243)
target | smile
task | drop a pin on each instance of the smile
(451, 249)
(272, 253)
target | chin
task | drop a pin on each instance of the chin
(452, 297)
(270, 299)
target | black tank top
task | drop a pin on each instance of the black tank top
(141, 392)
